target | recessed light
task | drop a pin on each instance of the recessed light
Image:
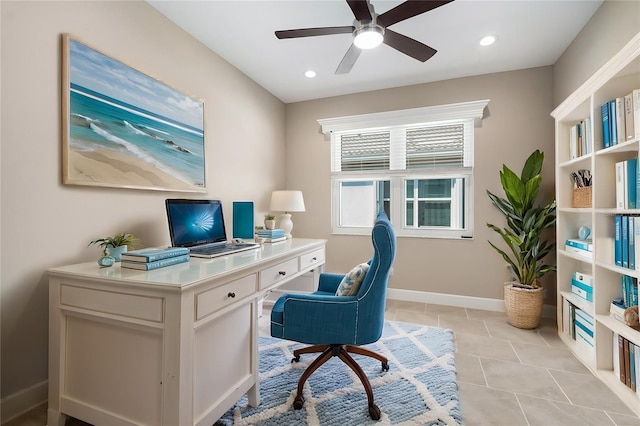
(488, 40)
(310, 74)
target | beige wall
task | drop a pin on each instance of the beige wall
(46, 224)
(610, 28)
(517, 122)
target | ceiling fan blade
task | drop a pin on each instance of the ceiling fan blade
(311, 32)
(407, 10)
(408, 46)
(360, 9)
(349, 60)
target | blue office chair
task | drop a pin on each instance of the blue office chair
(339, 325)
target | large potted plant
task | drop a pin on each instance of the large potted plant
(526, 246)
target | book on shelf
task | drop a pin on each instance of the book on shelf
(617, 240)
(630, 131)
(627, 175)
(606, 130)
(616, 355)
(148, 266)
(636, 350)
(632, 366)
(620, 120)
(153, 254)
(613, 126)
(621, 359)
(636, 112)
(631, 242)
(629, 287)
(580, 243)
(624, 233)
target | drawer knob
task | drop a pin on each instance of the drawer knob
(231, 295)
(283, 273)
(314, 259)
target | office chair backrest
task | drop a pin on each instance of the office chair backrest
(373, 291)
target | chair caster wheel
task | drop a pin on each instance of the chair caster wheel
(385, 366)
(297, 403)
(295, 359)
(374, 412)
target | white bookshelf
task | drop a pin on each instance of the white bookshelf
(616, 78)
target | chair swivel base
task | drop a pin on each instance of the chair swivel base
(342, 352)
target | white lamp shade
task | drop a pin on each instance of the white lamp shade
(287, 201)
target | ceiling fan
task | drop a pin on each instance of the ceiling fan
(370, 29)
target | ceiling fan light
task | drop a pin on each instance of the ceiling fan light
(368, 37)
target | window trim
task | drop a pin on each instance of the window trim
(465, 111)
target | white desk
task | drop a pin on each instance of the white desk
(174, 346)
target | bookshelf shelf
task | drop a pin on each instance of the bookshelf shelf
(616, 79)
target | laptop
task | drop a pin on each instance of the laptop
(199, 226)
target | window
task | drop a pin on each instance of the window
(416, 165)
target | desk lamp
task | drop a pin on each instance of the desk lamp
(287, 201)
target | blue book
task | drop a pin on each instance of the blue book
(606, 132)
(625, 291)
(613, 126)
(581, 244)
(624, 234)
(617, 247)
(153, 254)
(148, 266)
(632, 244)
(632, 173)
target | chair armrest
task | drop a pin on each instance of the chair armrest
(320, 319)
(329, 283)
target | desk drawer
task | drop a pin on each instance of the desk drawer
(225, 295)
(311, 259)
(277, 273)
(111, 302)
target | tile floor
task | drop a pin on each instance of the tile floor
(506, 376)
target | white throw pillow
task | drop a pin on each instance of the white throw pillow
(350, 284)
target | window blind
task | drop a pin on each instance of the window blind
(365, 151)
(435, 146)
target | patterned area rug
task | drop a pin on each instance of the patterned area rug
(419, 389)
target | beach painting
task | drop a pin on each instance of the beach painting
(125, 129)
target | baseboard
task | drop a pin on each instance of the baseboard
(548, 311)
(22, 401)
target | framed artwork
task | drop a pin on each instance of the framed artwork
(123, 128)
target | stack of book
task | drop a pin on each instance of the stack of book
(582, 285)
(154, 258)
(580, 247)
(270, 235)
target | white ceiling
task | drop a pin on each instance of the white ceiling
(530, 33)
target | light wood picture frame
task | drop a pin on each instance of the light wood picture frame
(122, 128)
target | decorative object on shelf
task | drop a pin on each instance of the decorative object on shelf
(269, 221)
(631, 316)
(584, 232)
(525, 224)
(582, 194)
(158, 130)
(116, 245)
(287, 201)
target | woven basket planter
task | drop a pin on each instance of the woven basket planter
(523, 306)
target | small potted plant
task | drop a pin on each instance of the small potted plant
(116, 245)
(269, 221)
(527, 248)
